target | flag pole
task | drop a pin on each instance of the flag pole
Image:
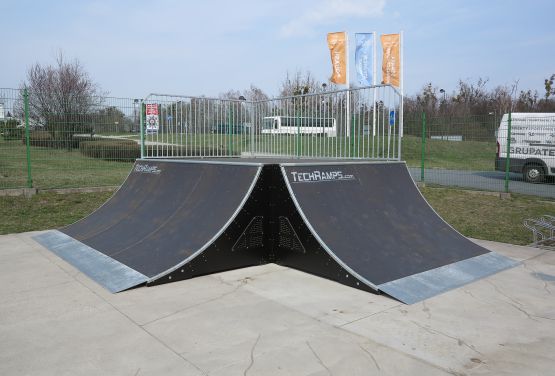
(348, 85)
(374, 73)
(401, 106)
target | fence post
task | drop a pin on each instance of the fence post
(423, 144)
(229, 132)
(298, 121)
(353, 135)
(508, 159)
(142, 126)
(27, 143)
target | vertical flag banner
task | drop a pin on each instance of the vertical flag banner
(391, 63)
(363, 58)
(152, 119)
(338, 50)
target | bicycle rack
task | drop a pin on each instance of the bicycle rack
(543, 229)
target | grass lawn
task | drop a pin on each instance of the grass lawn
(473, 214)
(467, 155)
(60, 168)
(488, 217)
(57, 168)
(47, 210)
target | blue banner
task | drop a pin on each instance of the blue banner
(363, 58)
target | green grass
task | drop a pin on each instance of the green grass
(57, 168)
(467, 155)
(46, 210)
(471, 213)
(488, 217)
(464, 155)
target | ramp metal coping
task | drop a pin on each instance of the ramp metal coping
(334, 163)
(202, 161)
(217, 235)
(317, 237)
(323, 162)
(104, 270)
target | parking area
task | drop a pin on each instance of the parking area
(270, 320)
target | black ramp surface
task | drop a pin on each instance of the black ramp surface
(374, 221)
(165, 213)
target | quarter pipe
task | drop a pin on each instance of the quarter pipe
(363, 224)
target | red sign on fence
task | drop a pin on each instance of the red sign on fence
(152, 119)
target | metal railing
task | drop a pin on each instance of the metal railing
(64, 143)
(356, 123)
(511, 153)
(96, 142)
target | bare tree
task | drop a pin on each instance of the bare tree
(501, 99)
(471, 97)
(549, 89)
(255, 94)
(60, 97)
(299, 83)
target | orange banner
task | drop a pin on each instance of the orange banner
(337, 43)
(391, 63)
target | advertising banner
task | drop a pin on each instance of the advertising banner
(337, 43)
(364, 59)
(391, 63)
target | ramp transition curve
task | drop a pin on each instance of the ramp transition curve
(362, 224)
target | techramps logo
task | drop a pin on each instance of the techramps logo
(147, 169)
(319, 176)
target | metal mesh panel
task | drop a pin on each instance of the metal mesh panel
(288, 238)
(252, 237)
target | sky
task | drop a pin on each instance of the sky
(133, 48)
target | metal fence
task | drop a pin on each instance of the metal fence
(94, 143)
(358, 123)
(48, 143)
(471, 152)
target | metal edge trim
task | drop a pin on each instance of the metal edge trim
(317, 237)
(335, 163)
(509, 263)
(81, 256)
(201, 161)
(216, 236)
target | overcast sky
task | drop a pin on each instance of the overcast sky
(132, 48)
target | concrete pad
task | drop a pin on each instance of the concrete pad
(270, 320)
(516, 252)
(463, 328)
(319, 298)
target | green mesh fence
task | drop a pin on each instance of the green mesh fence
(45, 143)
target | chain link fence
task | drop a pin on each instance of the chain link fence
(94, 142)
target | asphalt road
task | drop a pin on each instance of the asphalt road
(484, 180)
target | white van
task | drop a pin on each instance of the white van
(532, 147)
